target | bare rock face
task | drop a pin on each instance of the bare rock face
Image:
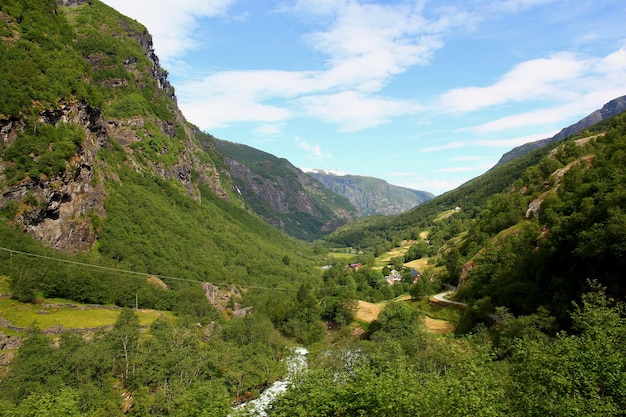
(57, 210)
(210, 292)
(9, 128)
(242, 312)
(222, 299)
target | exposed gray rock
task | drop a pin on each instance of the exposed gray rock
(371, 196)
(242, 312)
(57, 209)
(210, 292)
(9, 342)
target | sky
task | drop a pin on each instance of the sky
(423, 94)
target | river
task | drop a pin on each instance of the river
(296, 363)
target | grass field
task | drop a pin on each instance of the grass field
(440, 320)
(28, 315)
(419, 264)
(47, 314)
(384, 259)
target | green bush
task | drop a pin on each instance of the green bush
(43, 151)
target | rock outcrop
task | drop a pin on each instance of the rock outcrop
(57, 210)
(64, 209)
(371, 196)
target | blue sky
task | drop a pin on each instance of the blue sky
(423, 94)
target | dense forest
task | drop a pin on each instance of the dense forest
(116, 214)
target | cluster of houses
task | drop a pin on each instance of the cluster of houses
(396, 276)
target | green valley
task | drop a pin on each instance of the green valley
(150, 269)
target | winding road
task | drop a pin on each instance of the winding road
(442, 298)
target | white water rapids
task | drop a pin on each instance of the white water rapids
(296, 362)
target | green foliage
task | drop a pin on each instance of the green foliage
(578, 233)
(123, 343)
(421, 288)
(418, 250)
(131, 104)
(37, 71)
(302, 320)
(209, 399)
(364, 283)
(383, 379)
(63, 404)
(339, 311)
(43, 152)
(23, 287)
(153, 226)
(575, 374)
(396, 321)
(52, 279)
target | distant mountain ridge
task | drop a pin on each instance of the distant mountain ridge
(610, 109)
(371, 196)
(282, 194)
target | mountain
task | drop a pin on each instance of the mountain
(98, 163)
(283, 195)
(529, 233)
(371, 196)
(136, 279)
(610, 109)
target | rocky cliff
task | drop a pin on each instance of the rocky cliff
(62, 205)
(57, 209)
(282, 194)
(371, 196)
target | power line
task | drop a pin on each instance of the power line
(126, 271)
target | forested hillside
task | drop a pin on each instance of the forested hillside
(528, 233)
(105, 165)
(109, 197)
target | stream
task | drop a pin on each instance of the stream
(296, 363)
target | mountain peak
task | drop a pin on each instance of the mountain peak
(610, 109)
(334, 172)
(371, 196)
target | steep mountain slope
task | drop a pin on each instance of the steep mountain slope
(530, 232)
(558, 226)
(610, 109)
(282, 194)
(371, 196)
(97, 159)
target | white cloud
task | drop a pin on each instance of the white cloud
(220, 113)
(364, 46)
(434, 185)
(313, 151)
(171, 23)
(561, 78)
(269, 129)
(354, 111)
(448, 146)
(537, 117)
(542, 78)
(515, 6)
